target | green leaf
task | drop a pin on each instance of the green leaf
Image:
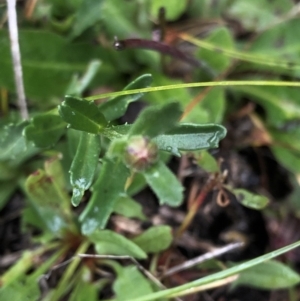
(82, 115)
(84, 165)
(106, 191)
(155, 239)
(189, 137)
(259, 14)
(210, 110)
(49, 63)
(130, 283)
(269, 275)
(44, 130)
(49, 201)
(13, 144)
(128, 207)
(174, 9)
(217, 60)
(89, 12)
(164, 184)
(116, 107)
(251, 200)
(111, 243)
(54, 169)
(207, 162)
(290, 159)
(156, 120)
(78, 85)
(281, 103)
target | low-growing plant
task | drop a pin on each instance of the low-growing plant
(77, 163)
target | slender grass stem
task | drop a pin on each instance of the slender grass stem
(197, 85)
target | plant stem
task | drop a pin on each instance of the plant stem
(198, 85)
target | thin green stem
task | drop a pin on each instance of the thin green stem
(196, 85)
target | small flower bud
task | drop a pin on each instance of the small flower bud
(140, 153)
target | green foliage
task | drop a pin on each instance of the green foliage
(131, 284)
(116, 107)
(269, 275)
(164, 184)
(44, 130)
(84, 165)
(109, 242)
(78, 151)
(106, 191)
(251, 200)
(82, 115)
(148, 240)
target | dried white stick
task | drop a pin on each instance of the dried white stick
(16, 56)
(197, 260)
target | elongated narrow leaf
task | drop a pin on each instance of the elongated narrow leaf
(44, 130)
(117, 106)
(84, 165)
(54, 169)
(106, 190)
(269, 275)
(191, 137)
(48, 200)
(109, 242)
(155, 239)
(130, 283)
(164, 184)
(82, 115)
(251, 200)
(156, 120)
